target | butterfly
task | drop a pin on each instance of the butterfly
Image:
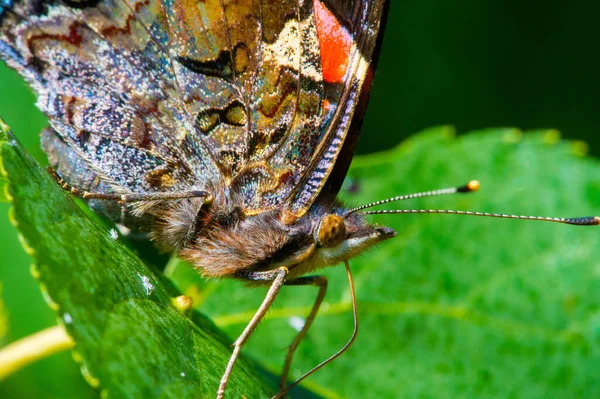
(222, 129)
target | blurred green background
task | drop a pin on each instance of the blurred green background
(471, 63)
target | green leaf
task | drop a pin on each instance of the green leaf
(3, 184)
(453, 306)
(3, 319)
(3, 180)
(27, 313)
(131, 340)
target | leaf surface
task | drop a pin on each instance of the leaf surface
(131, 339)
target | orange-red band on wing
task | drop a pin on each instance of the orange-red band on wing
(335, 42)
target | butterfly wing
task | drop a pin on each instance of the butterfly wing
(353, 42)
(314, 63)
(251, 96)
(110, 90)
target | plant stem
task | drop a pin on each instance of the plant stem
(25, 351)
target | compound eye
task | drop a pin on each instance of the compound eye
(331, 231)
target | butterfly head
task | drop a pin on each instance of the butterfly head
(337, 237)
(324, 237)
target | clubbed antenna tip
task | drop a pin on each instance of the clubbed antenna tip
(585, 221)
(471, 186)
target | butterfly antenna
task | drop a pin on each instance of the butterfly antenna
(582, 221)
(344, 348)
(470, 187)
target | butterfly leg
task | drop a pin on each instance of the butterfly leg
(129, 197)
(317, 281)
(278, 280)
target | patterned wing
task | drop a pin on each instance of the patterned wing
(106, 80)
(250, 76)
(350, 40)
(313, 64)
(254, 96)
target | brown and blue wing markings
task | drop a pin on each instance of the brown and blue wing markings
(254, 95)
(97, 70)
